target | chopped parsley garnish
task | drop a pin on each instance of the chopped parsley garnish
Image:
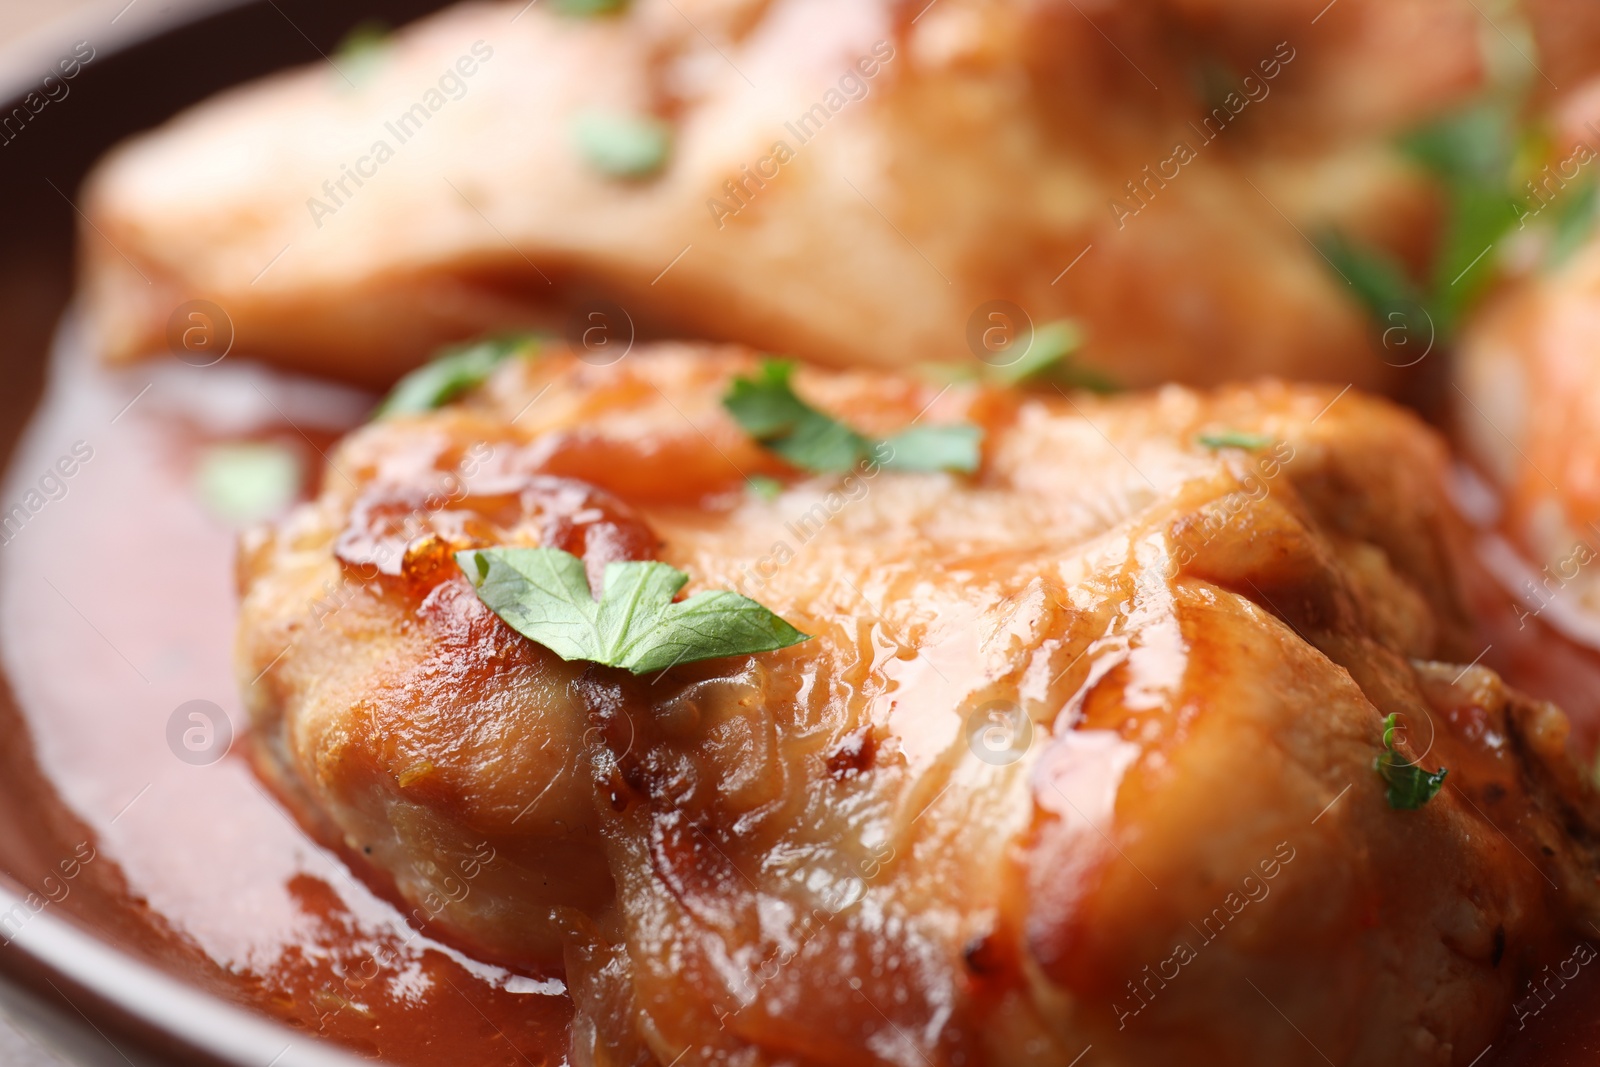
(452, 373)
(931, 448)
(1050, 358)
(544, 595)
(1473, 155)
(622, 146)
(1480, 157)
(590, 7)
(1234, 439)
(1410, 786)
(763, 487)
(1574, 221)
(365, 38)
(361, 51)
(1493, 163)
(767, 408)
(247, 481)
(1049, 347)
(1380, 283)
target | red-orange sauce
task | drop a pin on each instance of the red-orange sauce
(117, 606)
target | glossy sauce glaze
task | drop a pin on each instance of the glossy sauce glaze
(117, 608)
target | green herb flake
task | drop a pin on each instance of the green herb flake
(1574, 223)
(1410, 787)
(948, 373)
(927, 449)
(764, 488)
(1052, 343)
(361, 51)
(767, 408)
(1051, 358)
(1473, 154)
(1075, 375)
(364, 39)
(589, 8)
(1380, 284)
(247, 481)
(1467, 261)
(544, 595)
(622, 146)
(1476, 155)
(1234, 439)
(1475, 145)
(450, 374)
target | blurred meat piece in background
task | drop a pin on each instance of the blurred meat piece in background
(852, 182)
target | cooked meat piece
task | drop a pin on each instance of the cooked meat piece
(1082, 750)
(847, 181)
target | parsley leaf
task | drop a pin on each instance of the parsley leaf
(622, 146)
(1473, 154)
(1050, 359)
(365, 39)
(1234, 439)
(247, 481)
(544, 595)
(362, 51)
(1574, 222)
(450, 374)
(1479, 155)
(931, 448)
(767, 408)
(1051, 344)
(1410, 786)
(1479, 217)
(1474, 145)
(763, 487)
(590, 7)
(1380, 282)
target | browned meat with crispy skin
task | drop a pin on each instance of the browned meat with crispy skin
(934, 158)
(1082, 751)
